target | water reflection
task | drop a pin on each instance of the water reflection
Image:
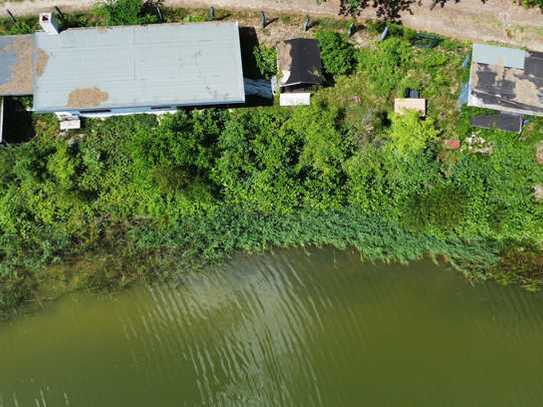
(285, 329)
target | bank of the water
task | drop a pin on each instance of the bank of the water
(146, 253)
(288, 328)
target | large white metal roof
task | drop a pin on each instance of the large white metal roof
(493, 55)
(138, 66)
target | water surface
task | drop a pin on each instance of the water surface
(288, 328)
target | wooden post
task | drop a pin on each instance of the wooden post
(159, 12)
(351, 30)
(60, 13)
(307, 23)
(384, 34)
(11, 15)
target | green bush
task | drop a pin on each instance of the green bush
(337, 53)
(266, 60)
(411, 135)
(124, 12)
(386, 64)
(533, 3)
(22, 27)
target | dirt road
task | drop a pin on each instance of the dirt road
(497, 20)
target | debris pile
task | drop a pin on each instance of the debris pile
(478, 145)
(452, 144)
(539, 153)
(538, 193)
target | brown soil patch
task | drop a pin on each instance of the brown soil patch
(86, 97)
(41, 61)
(285, 56)
(20, 82)
(497, 20)
(539, 153)
(284, 61)
(526, 91)
(277, 30)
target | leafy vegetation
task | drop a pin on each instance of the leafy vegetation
(266, 60)
(533, 3)
(392, 10)
(138, 196)
(336, 52)
(386, 9)
(130, 12)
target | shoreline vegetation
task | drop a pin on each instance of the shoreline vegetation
(145, 197)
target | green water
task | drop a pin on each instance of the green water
(283, 329)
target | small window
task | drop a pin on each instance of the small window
(96, 111)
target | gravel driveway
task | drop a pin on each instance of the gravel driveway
(497, 20)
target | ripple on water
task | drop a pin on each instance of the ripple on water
(290, 328)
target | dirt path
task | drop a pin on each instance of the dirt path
(497, 20)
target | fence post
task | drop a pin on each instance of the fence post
(307, 23)
(11, 15)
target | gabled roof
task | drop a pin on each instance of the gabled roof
(300, 62)
(128, 67)
(507, 80)
(16, 65)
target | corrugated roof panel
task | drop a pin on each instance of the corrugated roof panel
(139, 66)
(492, 55)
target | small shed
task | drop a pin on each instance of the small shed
(506, 79)
(300, 68)
(405, 104)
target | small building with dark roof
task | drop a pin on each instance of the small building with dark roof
(506, 79)
(300, 66)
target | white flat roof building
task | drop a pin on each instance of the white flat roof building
(137, 68)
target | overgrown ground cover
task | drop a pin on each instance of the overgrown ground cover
(148, 197)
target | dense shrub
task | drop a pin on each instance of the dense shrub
(266, 60)
(337, 53)
(533, 3)
(126, 12)
(409, 135)
(386, 63)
